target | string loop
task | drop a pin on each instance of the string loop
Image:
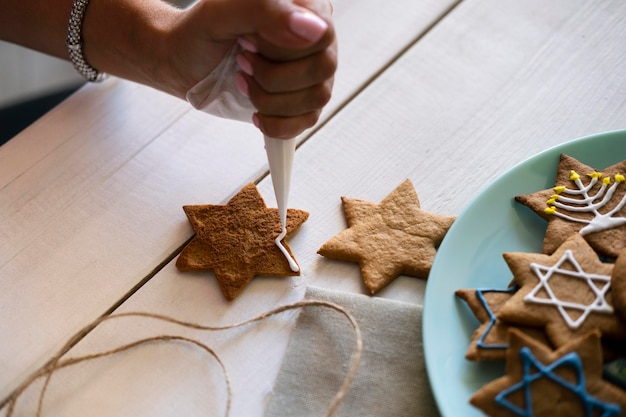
(57, 362)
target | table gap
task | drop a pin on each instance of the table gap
(304, 139)
(84, 332)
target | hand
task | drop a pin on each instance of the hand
(287, 69)
(288, 64)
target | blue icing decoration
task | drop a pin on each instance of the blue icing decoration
(591, 404)
(480, 343)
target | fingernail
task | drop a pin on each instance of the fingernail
(307, 25)
(242, 84)
(256, 121)
(247, 45)
(244, 64)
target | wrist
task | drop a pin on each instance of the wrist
(128, 39)
(74, 43)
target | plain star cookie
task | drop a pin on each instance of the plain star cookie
(568, 292)
(583, 201)
(540, 382)
(236, 240)
(389, 239)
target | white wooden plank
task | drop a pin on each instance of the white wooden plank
(91, 195)
(477, 107)
(504, 80)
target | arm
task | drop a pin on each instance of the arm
(121, 37)
(24, 22)
(292, 58)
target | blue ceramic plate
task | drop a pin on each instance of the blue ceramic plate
(471, 256)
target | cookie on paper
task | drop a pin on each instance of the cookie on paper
(393, 238)
(583, 201)
(236, 240)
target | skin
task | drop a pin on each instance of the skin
(288, 74)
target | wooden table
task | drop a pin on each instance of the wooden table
(91, 194)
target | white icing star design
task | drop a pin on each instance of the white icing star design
(544, 273)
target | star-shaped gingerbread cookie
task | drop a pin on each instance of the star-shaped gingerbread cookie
(544, 383)
(236, 240)
(583, 201)
(568, 292)
(618, 285)
(388, 239)
(490, 339)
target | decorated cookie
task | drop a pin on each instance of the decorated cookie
(540, 382)
(490, 339)
(618, 285)
(583, 201)
(236, 240)
(393, 238)
(568, 292)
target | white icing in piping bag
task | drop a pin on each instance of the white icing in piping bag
(280, 154)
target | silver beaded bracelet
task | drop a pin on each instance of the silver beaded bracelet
(74, 43)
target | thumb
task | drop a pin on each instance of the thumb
(281, 23)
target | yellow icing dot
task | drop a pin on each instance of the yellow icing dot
(606, 181)
(549, 210)
(552, 199)
(573, 175)
(619, 178)
(559, 189)
(595, 174)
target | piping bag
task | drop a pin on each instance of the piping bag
(280, 154)
(217, 94)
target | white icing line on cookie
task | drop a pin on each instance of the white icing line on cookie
(545, 273)
(292, 262)
(600, 221)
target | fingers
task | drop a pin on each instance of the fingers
(320, 40)
(285, 114)
(288, 95)
(289, 57)
(283, 24)
(278, 77)
(317, 29)
(287, 104)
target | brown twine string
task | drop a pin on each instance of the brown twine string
(57, 363)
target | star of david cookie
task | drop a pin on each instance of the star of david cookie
(393, 238)
(236, 240)
(540, 382)
(618, 285)
(568, 292)
(490, 339)
(583, 201)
